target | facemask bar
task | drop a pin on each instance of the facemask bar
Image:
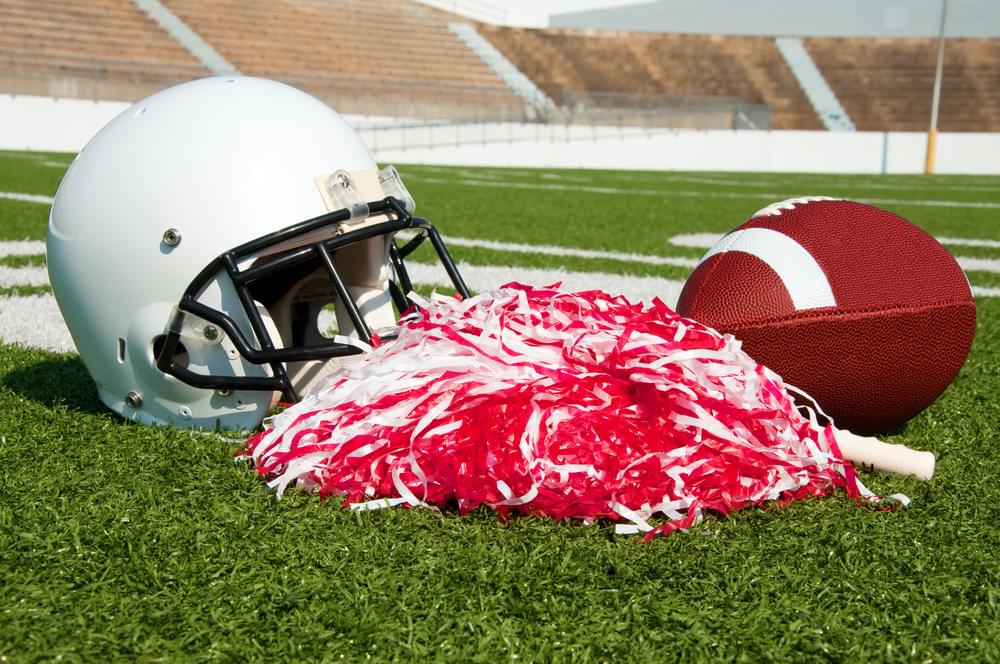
(323, 250)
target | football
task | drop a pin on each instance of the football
(852, 304)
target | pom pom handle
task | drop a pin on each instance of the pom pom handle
(869, 452)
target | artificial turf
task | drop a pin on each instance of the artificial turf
(124, 542)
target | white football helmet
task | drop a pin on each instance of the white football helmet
(198, 243)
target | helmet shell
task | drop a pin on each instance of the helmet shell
(167, 186)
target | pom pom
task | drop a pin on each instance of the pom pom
(570, 405)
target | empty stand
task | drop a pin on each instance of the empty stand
(99, 48)
(392, 57)
(886, 84)
(398, 57)
(751, 69)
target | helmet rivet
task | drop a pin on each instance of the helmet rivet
(171, 237)
(211, 332)
(224, 392)
(133, 400)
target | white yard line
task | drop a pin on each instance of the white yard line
(486, 179)
(27, 198)
(708, 240)
(22, 248)
(969, 263)
(985, 291)
(968, 242)
(695, 240)
(34, 321)
(23, 276)
(481, 278)
(868, 184)
(668, 193)
(549, 250)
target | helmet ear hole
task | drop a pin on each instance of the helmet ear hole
(180, 352)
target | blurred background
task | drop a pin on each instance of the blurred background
(804, 85)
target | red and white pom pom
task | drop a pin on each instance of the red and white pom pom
(570, 405)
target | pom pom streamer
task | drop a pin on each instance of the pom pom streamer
(571, 405)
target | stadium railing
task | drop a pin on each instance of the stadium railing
(413, 103)
(665, 110)
(90, 78)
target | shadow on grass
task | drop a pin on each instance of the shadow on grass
(62, 381)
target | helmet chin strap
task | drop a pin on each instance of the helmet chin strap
(304, 375)
(375, 304)
(364, 267)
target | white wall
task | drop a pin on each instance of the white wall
(559, 146)
(52, 125)
(65, 125)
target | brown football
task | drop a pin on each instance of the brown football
(853, 304)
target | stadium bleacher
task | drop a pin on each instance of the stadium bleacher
(369, 56)
(885, 84)
(748, 68)
(105, 49)
(399, 58)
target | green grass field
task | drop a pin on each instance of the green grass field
(122, 542)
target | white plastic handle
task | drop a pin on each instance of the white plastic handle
(869, 452)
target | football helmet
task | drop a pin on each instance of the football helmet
(217, 246)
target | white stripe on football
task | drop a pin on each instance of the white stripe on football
(802, 276)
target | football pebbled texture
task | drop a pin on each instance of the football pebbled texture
(852, 304)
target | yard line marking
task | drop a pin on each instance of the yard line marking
(969, 242)
(708, 240)
(27, 198)
(868, 184)
(667, 193)
(984, 205)
(23, 276)
(32, 248)
(480, 278)
(985, 291)
(38, 276)
(37, 158)
(34, 321)
(695, 240)
(549, 250)
(736, 180)
(22, 248)
(969, 263)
